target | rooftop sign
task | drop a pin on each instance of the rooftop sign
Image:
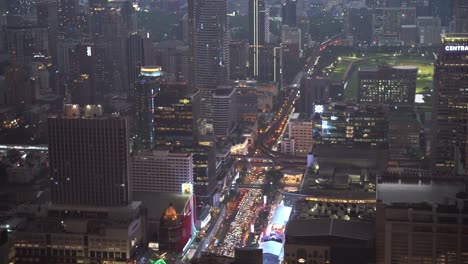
(456, 48)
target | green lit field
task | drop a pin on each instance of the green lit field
(425, 70)
(341, 67)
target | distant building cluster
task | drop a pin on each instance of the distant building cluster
(244, 131)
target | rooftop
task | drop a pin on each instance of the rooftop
(331, 227)
(157, 203)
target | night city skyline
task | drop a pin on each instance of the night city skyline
(234, 131)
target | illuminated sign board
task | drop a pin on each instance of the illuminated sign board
(187, 188)
(456, 48)
(88, 51)
(318, 109)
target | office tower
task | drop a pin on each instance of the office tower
(139, 53)
(20, 8)
(89, 156)
(175, 116)
(313, 89)
(429, 29)
(161, 171)
(224, 110)
(341, 124)
(19, 88)
(408, 35)
(239, 51)
(269, 63)
(300, 129)
(91, 59)
(25, 42)
(68, 11)
(47, 16)
(289, 13)
(359, 23)
(450, 106)
(129, 16)
(247, 101)
(211, 48)
(387, 85)
(461, 16)
(174, 58)
(81, 90)
(177, 127)
(259, 30)
(394, 18)
(425, 232)
(98, 12)
(146, 87)
(291, 35)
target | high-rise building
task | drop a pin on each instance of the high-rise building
(98, 13)
(387, 85)
(388, 23)
(422, 232)
(291, 35)
(359, 24)
(461, 16)
(450, 106)
(174, 58)
(269, 63)
(25, 42)
(259, 30)
(289, 13)
(138, 55)
(19, 89)
(89, 155)
(161, 171)
(301, 129)
(175, 116)
(146, 87)
(340, 124)
(313, 89)
(429, 29)
(176, 122)
(224, 110)
(210, 47)
(239, 51)
(68, 11)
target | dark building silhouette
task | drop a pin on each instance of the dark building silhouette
(89, 155)
(289, 13)
(146, 87)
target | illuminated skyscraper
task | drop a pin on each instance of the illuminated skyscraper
(259, 30)
(210, 47)
(175, 116)
(147, 86)
(450, 106)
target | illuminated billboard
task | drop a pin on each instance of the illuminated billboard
(187, 188)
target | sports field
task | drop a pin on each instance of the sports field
(424, 64)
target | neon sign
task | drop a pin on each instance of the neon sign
(456, 48)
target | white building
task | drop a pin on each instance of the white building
(300, 129)
(224, 110)
(161, 171)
